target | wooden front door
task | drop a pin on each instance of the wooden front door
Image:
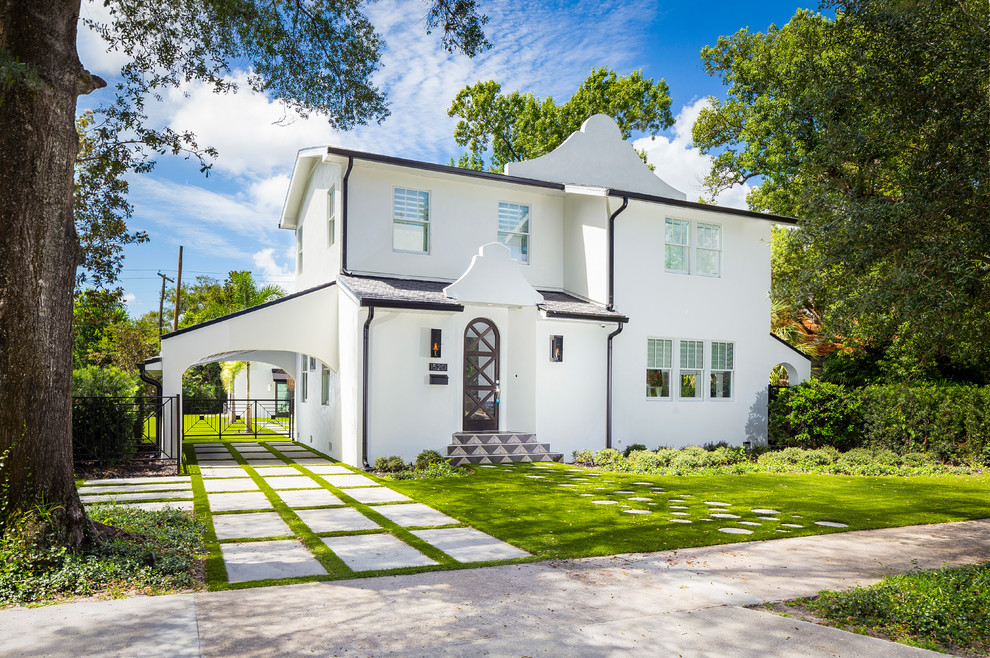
(481, 376)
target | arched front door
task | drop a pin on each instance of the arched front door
(481, 376)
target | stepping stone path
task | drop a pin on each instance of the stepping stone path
(735, 531)
(831, 524)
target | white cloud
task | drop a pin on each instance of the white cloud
(681, 165)
(129, 297)
(271, 271)
(93, 50)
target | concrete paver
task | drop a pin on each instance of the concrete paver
(250, 525)
(147, 495)
(377, 494)
(234, 502)
(350, 480)
(414, 515)
(229, 484)
(469, 545)
(335, 519)
(184, 505)
(261, 560)
(290, 481)
(373, 552)
(309, 498)
(130, 488)
(332, 469)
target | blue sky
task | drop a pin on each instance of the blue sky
(229, 220)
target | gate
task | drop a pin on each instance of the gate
(113, 431)
(209, 418)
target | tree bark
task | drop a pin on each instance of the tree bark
(39, 252)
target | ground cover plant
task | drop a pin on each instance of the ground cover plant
(150, 552)
(556, 510)
(942, 609)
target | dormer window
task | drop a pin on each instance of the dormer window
(513, 229)
(411, 221)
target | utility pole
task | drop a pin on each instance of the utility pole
(161, 303)
(178, 291)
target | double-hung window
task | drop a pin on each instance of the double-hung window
(658, 364)
(677, 246)
(721, 371)
(299, 250)
(513, 229)
(324, 385)
(331, 216)
(692, 366)
(708, 252)
(411, 221)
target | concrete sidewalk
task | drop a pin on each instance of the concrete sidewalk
(685, 602)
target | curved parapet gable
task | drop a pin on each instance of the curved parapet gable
(493, 278)
(596, 156)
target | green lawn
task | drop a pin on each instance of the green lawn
(551, 521)
(196, 426)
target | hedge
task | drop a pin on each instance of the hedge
(950, 422)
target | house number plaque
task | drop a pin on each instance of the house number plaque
(438, 367)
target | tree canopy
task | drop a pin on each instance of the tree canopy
(872, 128)
(519, 126)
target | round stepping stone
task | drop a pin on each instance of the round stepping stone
(625, 492)
(636, 511)
(639, 499)
(536, 477)
(675, 500)
(764, 511)
(779, 530)
(645, 483)
(748, 523)
(831, 524)
(680, 514)
(796, 516)
(768, 518)
(604, 502)
(791, 525)
(679, 521)
(678, 507)
(488, 466)
(586, 494)
(707, 519)
(566, 485)
(725, 516)
(735, 531)
(713, 504)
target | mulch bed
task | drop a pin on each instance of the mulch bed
(125, 471)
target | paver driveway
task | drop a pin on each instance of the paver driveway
(281, 511)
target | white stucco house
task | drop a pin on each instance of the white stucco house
(576, 301)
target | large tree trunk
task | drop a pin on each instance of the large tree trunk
(39, 253)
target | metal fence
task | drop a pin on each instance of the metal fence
(112, 431)
(237, 418)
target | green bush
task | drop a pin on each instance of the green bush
(433, 471)
(632, 447)
(646, 461)
(389, 464)
(609, 457)
(815, 414)
(583, 457)
(427, 458)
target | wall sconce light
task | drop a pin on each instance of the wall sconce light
(556, 349)
(435, 342)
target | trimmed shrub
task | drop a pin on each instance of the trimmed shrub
(646, 461)
(389, 464)
(583, 457)
(428, 457)
(631, 448)
(815, 414)
(609, 457)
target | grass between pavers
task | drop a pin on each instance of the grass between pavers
(216, 572)
(550, 521)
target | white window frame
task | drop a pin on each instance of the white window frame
(654, 364)
(324, 385)
(528, 234)
(691, 368)
(304, 389)
(727, 366)
(698, 248)
(685, 247)
(299, 249)
(425, 224)
(331, 216)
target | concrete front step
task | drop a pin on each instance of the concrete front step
(486, 438)
(506, 459)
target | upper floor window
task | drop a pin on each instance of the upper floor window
(411, 221)
(708, 253)
(299, 250)
(331, 216)
(700, 255)
(513, 229)
(677, 245)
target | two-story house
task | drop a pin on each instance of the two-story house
(576, 297)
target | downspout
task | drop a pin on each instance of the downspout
(364, 389)
(148, 380)
(611, 262)
(608, 389)
(343, 215)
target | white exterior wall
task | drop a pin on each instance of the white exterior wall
(463, 216)
(586, 246)
(318, 425)
(262, 384)
(733, 308)
(320, 261)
